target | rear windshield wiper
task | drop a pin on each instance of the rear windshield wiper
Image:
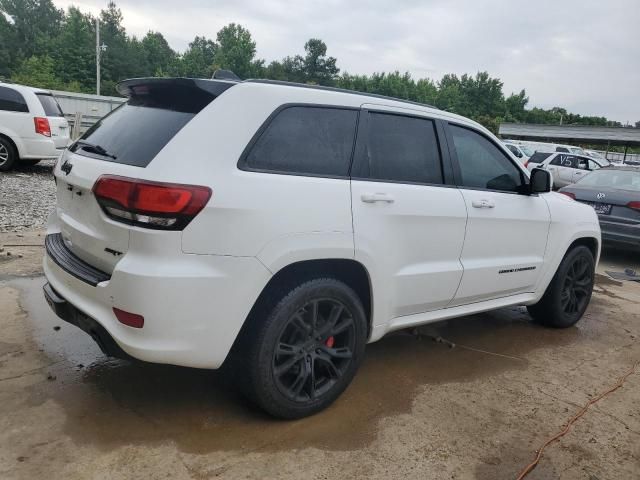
(92, 148)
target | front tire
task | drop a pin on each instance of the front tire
(303, 353)
(568, 295)
(8, 155)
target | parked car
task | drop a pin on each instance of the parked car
(521, 152)
(565, 168)
(32, 126)
(594, 154)
(614, 193)
(552, 147)
(278, 228)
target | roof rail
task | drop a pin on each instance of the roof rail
(335, 89)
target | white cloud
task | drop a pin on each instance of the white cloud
(583, 55)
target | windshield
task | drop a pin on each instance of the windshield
(527, 150)
(612, 178)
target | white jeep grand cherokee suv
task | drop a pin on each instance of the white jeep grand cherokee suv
(32, 126)
(278, 228)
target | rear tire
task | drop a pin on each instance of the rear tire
(8, 155)
(302, 353)
(568, 295)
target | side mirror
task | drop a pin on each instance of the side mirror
(540, 181)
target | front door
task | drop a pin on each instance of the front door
(408, 226)
(506, 233)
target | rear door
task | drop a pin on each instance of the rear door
(58, 124)
(506, 234)
(408, 225)
(122, 143)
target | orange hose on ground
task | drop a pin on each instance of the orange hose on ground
(573, 419)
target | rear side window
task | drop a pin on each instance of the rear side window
(50, 105)
(400, 149)
(12, 101)
(136, 131)
(306, 140)
(539, 157)
(565, 161)
(562, 149)
(482, 164)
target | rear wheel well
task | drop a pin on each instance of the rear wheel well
(350, 272)
(13, 144)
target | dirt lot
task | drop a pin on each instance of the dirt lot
(417, 409)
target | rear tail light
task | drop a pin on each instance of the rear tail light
(634, 205)
(130, 319)
(526, 164)
(569, 194)
(161, 206)
(42, 126)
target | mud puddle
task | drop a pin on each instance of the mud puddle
(109, 403)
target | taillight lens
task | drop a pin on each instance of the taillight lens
(526, 164)
(634, 205)
(569, 194)
(130, 319)
(42, 126)
(161, 206)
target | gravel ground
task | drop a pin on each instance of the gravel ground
(27, 196)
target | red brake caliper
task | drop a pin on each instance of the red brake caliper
(330, 341)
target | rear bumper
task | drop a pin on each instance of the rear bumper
(39, 148)
(620, 234)
(193, 305)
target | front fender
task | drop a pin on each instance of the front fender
(570, 221)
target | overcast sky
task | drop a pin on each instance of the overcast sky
(583, 55)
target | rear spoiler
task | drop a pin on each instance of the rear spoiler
(143, 86)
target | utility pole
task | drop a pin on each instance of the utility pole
(97, 56)
(99, 50)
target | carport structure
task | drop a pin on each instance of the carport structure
(575, 134)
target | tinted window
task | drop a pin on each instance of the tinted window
(568, 161)
(539, 157)
(312, 140)
(483, 164)
(12, 101)
(399, 148)
(514, 150)
(51, 107)
(622, 179)
(562, 149)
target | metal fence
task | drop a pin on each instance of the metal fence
(83, 109)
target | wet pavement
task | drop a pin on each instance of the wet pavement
(473, 404)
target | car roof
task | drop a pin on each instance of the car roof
(24, 88)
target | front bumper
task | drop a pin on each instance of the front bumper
(193, 305)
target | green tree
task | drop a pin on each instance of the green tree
(197, 61)
(236, 51)
(35, 24)
(160, 57)
(38, 72)
(74, 55)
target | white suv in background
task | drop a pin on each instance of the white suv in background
(277, 228)
(565, 168)
(32, 126)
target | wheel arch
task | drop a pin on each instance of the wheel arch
(349, 271)
(12, 142)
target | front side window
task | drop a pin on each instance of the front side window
(482, 164)
(12, 101)
(306, 140)
(400, 149)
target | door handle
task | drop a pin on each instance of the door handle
(483, 204)
(376, 197)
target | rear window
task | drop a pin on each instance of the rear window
(136, 131)
(612, 178)
(50, 105)
(12, 101)
(539, 157)
(306, 140)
